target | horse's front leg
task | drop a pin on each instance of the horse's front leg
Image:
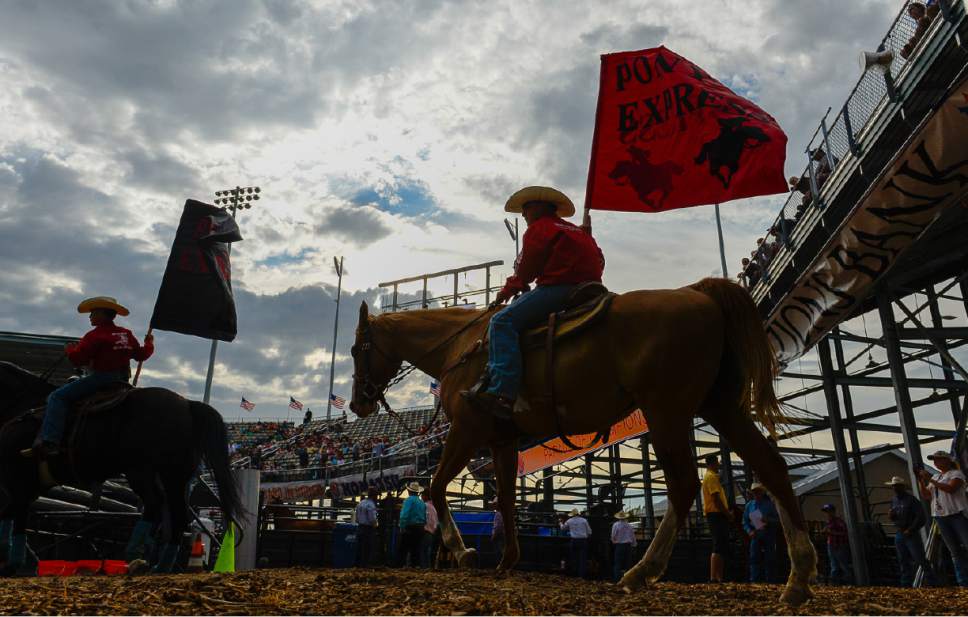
(458, 449)
(505, 470)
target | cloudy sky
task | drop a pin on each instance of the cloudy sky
(389, 133)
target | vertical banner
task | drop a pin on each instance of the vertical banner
(668, 135)
(196, 292)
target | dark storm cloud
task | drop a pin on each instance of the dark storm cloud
(495, 189)
(361, 225)
(159, 171)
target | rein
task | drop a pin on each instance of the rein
(372, 392)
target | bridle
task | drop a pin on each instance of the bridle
(373, 392)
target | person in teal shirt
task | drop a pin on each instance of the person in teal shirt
(413, 517)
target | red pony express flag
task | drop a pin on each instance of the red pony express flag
(668, 135)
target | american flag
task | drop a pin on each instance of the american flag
(294, 404)
(435, 388)
(247, 405)
(337, 401)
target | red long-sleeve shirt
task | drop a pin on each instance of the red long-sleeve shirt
(108, 348)
(556, 252)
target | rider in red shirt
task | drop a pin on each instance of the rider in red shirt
(557, 256)
(106, 351)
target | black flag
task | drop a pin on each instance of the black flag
(196, 293)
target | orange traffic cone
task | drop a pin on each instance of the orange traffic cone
(195, 562)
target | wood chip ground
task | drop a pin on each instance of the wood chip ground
(298, 591)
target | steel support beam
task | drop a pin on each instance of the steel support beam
(949, 374)
(858, 549)
(647, 484)
(902, 395)
(851, 425)
(588, 481)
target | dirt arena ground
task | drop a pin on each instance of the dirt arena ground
(412, 592)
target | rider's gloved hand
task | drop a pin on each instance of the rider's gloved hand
(503, 296)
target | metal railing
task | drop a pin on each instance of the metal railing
(837, 145)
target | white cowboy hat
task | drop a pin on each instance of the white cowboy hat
(896, 480)
(515, 204)
(574, 512)
(621, 515)
(757, 486)
(940, 454)
(414, 487)
(102, 302)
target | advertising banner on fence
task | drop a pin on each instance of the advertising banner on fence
(555, 451)
(345, 486)
(926, 178)
(669, 135)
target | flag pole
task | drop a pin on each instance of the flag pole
(332, 362)
(722, 246)
(137, 372)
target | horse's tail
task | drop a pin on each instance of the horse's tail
(212, 443)
(746, 339)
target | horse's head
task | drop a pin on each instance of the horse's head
(374, 365)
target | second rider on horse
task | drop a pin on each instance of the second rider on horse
(557, 256)
(106, 351)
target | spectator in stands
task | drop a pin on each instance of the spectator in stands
(949, 507)
(908, 517)
(303, 455)
(308, 417)
(430, 531)
(579, 531)
(623, 541)
(838, 547)
(922, 16)
(497, 531)
(413, 517)
(760, 520)
(366, 524)
(718, 517)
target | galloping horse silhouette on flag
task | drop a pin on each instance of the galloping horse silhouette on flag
(674, 354)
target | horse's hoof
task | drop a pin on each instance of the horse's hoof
(631, 584)
(467, 559)
(138, 567)
(796, 596)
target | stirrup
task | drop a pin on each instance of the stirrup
(481, 386)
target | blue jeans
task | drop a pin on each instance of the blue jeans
(762, 550)
(59, 402)
(621, 556)
(910, 555)
(954, 532)
(579, 556)
(504, 364)
(839, 558)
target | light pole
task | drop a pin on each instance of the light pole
(239, 198)
(338, 264)
(513, 231)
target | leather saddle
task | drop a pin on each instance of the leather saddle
(107, 397)
(586, 306)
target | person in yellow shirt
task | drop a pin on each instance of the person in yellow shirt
(718, 516)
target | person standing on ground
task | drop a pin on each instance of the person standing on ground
(413, 517)
(429, 531)
(908, 517)
(579, 530)
(838, 546)
(365, 528)
(949, 507)
(718, 517)
(623, 541)
(760, 521)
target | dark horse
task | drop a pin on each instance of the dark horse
(154, 437)
(725, 149)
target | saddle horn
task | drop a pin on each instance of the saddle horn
(881, 59)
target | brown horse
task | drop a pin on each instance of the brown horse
(699, 350)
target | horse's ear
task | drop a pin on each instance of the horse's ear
(364, 313)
